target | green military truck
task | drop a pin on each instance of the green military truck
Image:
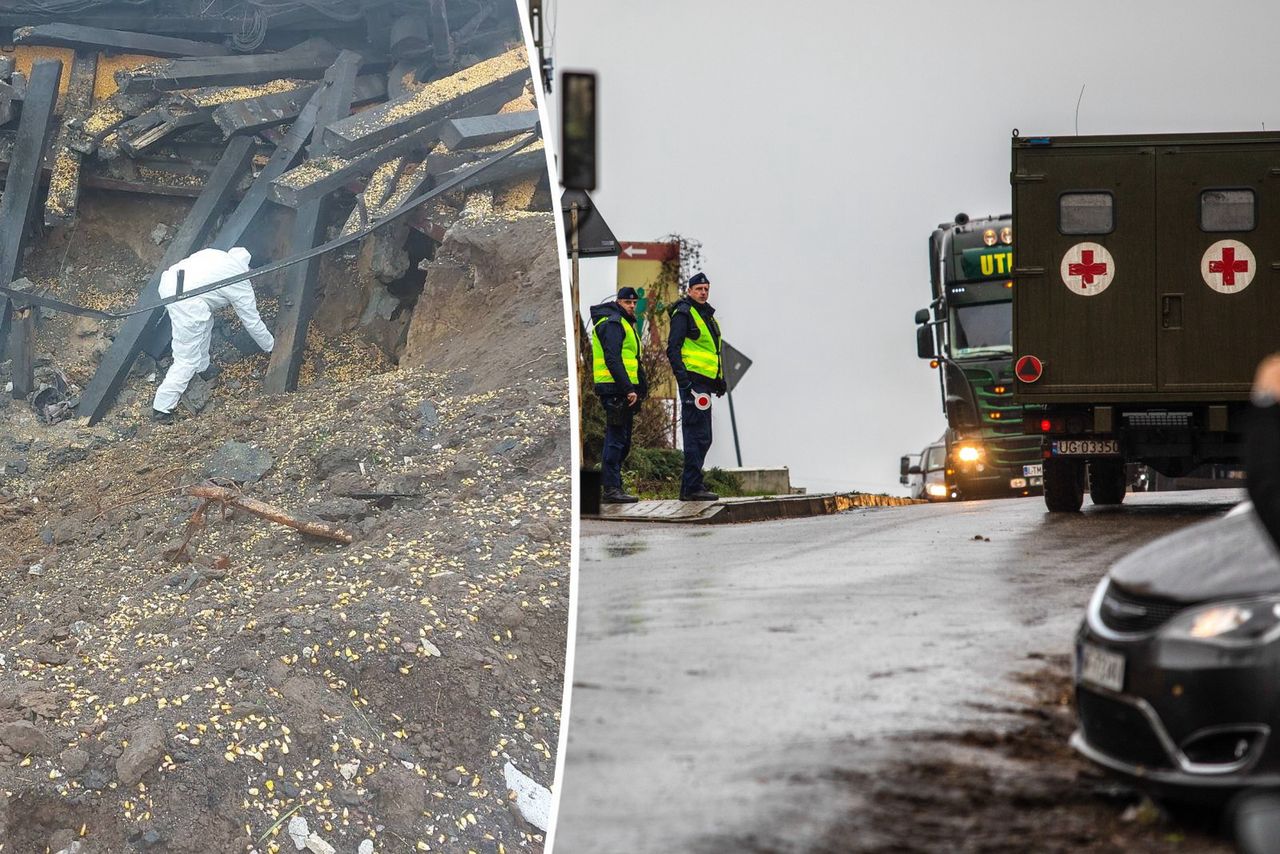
(1146, 290)
(967, 332)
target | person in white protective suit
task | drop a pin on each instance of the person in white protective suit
(192, 318)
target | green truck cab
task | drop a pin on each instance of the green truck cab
(1146, 290)
(967, 333)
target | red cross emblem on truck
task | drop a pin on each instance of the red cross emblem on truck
(1228, 265)
(1087, 268)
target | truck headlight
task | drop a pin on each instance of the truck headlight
(967, 453)
(1238, 623)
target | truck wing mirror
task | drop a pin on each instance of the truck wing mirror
(922, 316)
(924, 342)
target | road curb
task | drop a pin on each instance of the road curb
(734, 510)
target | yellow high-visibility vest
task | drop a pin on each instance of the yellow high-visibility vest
(701, 355)
(630, 353)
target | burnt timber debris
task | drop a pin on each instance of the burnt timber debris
(483, 130)
(97, 38)
(182, 103)
(296, 303)
(17, 204)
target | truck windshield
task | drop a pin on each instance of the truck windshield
(982, 329)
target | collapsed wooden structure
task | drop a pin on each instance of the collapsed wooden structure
(320, 120)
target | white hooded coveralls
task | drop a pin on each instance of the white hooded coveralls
(192, 319)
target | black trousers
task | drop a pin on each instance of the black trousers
(618, 419)
(695, 428)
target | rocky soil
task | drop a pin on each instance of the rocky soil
(173, 687)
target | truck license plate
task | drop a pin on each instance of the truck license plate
(1101, 667)
(1036, 470)
(1086, 448)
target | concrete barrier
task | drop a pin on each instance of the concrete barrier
(776, 481)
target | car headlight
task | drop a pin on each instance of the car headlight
(968, 453)
(937, 490)
(1239, 623)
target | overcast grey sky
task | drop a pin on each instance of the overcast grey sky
(812, 147)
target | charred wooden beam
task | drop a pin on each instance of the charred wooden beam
(114, 368)
(382, 185)
(97, 38)
(171, 121)
(527, 161)
(22, 354)
(438, 100)
(281, 159)
(308, 62)
(18, 201)
(64, 177)
(320, 176)
(215, 96)
(105, 118)
(297, 300)
(304, 18)
(252, 115)
(8, 96)
(482, 130)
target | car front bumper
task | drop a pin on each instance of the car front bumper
(1190, 718)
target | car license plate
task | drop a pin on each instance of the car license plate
(1036, 470)
(1101, 667)
(1086, 448)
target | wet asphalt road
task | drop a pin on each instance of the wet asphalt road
(717, 665)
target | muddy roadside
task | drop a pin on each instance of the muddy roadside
(1015, 787)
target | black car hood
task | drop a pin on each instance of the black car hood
(1226, 557)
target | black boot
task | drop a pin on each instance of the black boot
(701, 495)
(617, 496)
(161, 417)
(210, 373)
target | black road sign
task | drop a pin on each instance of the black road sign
(735, 364)
(595, 239)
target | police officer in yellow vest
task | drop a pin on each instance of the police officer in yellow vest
(693, 348)
(620, 383)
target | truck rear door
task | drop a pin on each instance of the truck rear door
(1217, 233)
(1084, 268)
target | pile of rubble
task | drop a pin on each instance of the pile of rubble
(315, 130)
(183, 674)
